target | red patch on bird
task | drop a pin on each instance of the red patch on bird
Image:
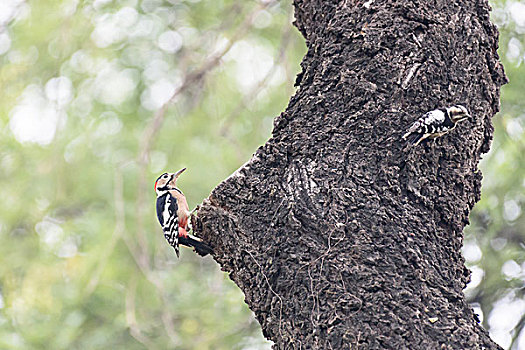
(155, 187)
(183, 232)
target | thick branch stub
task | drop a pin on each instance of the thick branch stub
(339, 236)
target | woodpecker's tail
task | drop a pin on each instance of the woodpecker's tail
(200, 247)
(413, 138)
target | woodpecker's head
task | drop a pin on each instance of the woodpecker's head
(167, 181)
(458, 113)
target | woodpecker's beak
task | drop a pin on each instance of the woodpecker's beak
(176, 176)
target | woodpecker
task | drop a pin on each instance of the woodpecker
(435, 123)
(173, 214)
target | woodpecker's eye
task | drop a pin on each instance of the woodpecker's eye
(165, 177)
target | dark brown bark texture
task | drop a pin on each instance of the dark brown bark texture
(340, 236)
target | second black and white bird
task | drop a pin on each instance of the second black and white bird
(435, 123)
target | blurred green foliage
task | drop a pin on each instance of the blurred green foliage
(83, 263)
(495, 241)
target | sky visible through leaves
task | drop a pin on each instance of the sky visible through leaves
(100, 97)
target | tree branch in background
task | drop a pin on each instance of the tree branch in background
(154, 126)
(140, 251)
(131, 319)
(252, 94)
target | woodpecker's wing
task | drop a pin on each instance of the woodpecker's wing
(166, 210)
(428, 122)
(168, 219)
(436, 117)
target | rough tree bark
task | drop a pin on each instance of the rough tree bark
(339, 236)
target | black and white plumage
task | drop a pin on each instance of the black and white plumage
(167, 214)
(435, 123)
(173, 214)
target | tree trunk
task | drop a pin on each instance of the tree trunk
(339, 235)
